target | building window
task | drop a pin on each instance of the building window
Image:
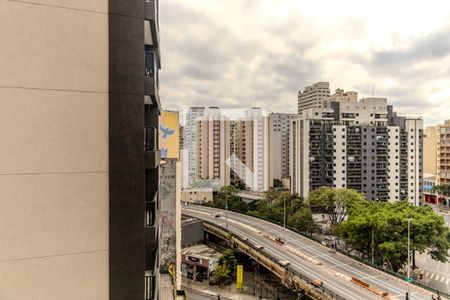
(149, 63)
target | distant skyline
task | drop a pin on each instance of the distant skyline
(244, 53)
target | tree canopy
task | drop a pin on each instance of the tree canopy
(335, 203)
(389, 224)
(442, 189)
(298, 213)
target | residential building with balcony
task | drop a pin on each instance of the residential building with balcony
(360, 145)
(190, 133)
(443, 153)
(252, 150)
(341, 96)
(80, 174)
(212, 147)
(313, 96)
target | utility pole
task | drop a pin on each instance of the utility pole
(254, 287)
(409, 259)
(226, 202)
(372, 246)
(284, 219)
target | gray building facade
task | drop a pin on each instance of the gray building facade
(358, 145)
(279, 137)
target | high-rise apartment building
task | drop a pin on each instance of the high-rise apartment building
(360, 145)
(313, 96)
(430, 150)
(252, 150)
(443, 154)
(279, 136)
(212, 146)
(79, 119)
(190, 132)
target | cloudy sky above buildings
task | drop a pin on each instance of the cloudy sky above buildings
(244, 53)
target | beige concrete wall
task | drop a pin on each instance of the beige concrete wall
(58, 277)
(54, 220)
(53, 48)
(53, 131)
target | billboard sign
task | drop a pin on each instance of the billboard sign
(169, 135)
(239, 276)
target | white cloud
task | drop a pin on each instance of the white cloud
(241, 53)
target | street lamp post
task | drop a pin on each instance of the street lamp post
(226, 203)
(408, 271)
(284, 206)
(372, 246)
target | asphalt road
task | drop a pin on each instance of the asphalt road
(335, 269)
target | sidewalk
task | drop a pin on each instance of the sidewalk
(226, 293)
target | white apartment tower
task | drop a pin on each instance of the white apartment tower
(362, 145)
(313, 96)
(212, 147)
(190, 143)
(279, 136)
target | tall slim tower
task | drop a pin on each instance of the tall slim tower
(252, 149)
(279, 136)
(190, 132)
(213, 147)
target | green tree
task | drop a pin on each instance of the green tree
(335, 203)
(226, 198)
(387, 224)
(303, 221)
(227, 257)
(272, 195)
(221, 273)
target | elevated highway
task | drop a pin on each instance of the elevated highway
(302, 263)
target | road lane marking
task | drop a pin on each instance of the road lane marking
(244, 225)
(428, 273)
(338, 265)
(447, 281)
(432, 275)
(442, 279)
(437, 277)
(199, 212)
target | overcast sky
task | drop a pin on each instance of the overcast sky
(243, 53)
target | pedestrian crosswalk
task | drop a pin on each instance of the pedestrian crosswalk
(433, 276)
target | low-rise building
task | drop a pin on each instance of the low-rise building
(198, 261)
(197, 196)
